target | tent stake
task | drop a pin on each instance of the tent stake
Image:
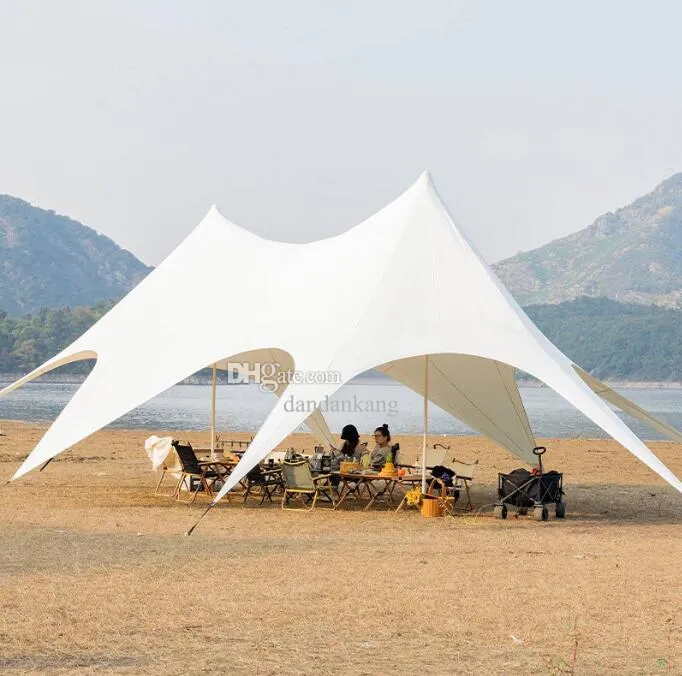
(206, 511)
(426, 419)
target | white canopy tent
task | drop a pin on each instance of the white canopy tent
(406, 282)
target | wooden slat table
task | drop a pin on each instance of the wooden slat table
(377, 486)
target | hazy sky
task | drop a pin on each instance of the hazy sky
(300, 119)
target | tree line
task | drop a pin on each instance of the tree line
(612, 340)
(28, 341)
(615, 341)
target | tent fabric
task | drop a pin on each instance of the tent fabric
(408, 278)
(281, 362)
(480, 392)
(629, 407)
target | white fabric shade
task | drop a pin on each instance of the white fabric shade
(409, 284)
(480, 392)
(629, 407)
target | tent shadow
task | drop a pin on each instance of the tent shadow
(596, 504)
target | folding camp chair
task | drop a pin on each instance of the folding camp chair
(263, 482)
(434, 456)
(277, 457)
(299, 482)
(395, 452)
(171, 467)
(195, 475)
(236, 446)
(464, 475)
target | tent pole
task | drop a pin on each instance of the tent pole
(213, 378)
(426, 419)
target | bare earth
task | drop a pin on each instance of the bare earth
(97, 577)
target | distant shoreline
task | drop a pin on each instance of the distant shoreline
(77, 379)
(624, 384)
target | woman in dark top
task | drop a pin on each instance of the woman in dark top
(350, 449)
(351, 440)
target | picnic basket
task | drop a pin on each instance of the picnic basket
(431, 506)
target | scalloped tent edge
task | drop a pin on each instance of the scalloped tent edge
(406, 282)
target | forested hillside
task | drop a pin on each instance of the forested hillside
(614, 341)
(48, 260)
(26, 342)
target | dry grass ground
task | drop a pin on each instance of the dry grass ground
(96, 577)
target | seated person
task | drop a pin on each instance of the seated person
(383, 448)
(351, 449)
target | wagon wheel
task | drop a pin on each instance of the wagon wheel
(500, 511)
(560, 510)
(541, 513)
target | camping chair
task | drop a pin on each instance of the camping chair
(263, 481)
(395, 452)
(464, 475)
(299, 482)
(434, 456)
(195, 475)
(171, 466)
(237, 446)
(449, 480)
(277, 457)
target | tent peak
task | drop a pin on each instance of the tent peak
(423, 185)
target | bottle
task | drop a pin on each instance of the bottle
(364, 459)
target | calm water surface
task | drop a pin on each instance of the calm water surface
(245, 407)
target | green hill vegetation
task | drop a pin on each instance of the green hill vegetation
(614, 341)
(27, 342)
(48, 260)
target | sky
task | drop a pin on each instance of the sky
(300, 119)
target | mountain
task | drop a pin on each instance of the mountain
(48, 260)
(633, 254)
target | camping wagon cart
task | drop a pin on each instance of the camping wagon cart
(531, 490)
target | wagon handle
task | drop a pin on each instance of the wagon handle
(539, 451)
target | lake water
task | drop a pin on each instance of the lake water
(245, 407)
